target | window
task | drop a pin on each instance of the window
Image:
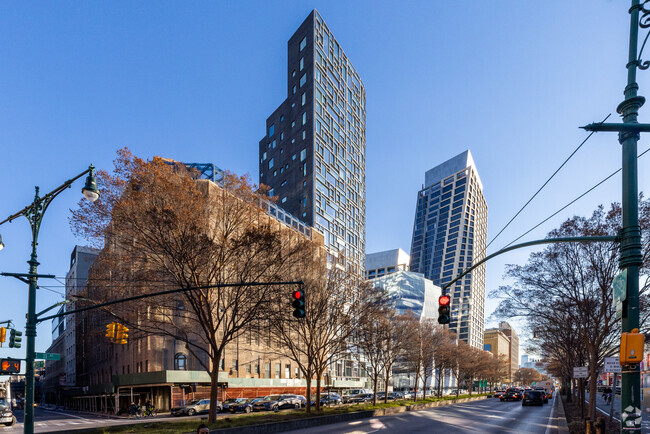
(180, 362)
(267, 370)
(293, 73)
(248, 368)
(303, 80)
(282, 135)
(303, 154)
(271, 193)
(283, 183)
(302, 63)
(304, 135)
(281, 118)
(304, 118)
(271, 163)
(303, 43)
(278, 370)
(294, 90)
(303, 201)
(235, 365)
(303, 99)
(284, 199)
(293, 124)
(271, 129)
(287, 371)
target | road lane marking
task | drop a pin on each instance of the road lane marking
(551, 416)
(66, 414)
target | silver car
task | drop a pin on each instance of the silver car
(194, 407)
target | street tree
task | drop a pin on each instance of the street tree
(575, 279)
(526, 376)
(335, 300)
(162, 228)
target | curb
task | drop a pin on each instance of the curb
(562, 424)
(310, 422)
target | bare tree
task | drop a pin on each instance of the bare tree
(526, 376)
(430, 339)
(168, 229)
(394, 334)
(575, 279)
(335, 300)
(373, 339)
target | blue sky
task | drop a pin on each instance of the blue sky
(194, 81)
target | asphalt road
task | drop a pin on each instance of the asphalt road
(485, 416)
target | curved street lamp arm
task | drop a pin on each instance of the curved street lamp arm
(43, 202)
(604, 238)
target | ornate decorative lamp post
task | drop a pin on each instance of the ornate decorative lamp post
(34, 213)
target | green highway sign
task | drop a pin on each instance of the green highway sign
(48, 356)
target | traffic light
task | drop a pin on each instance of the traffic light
(122, 335)
(9, 366)
(632, 347)
(3, 335)
(443, 309)
(15, 338)
(110, 331)
(299, 303)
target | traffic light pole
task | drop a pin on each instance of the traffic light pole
(34, 213)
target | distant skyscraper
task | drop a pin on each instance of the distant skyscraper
(513, 354)
(450, 232)
(313, 155)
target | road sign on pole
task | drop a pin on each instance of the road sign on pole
(619, 289)
(47, 356)
(612, 365)
(580, 372)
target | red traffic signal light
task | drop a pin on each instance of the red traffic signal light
(298, 303)
(444, 316)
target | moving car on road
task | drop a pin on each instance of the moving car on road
(532, 397)
(511, 394)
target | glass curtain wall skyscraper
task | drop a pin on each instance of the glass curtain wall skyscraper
(449, 233)
(313, 156)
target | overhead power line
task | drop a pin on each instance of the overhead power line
(544, 185)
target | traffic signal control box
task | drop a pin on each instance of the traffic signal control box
(3, 335)
(632, 347)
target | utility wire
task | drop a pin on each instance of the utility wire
(547, 181)
(570, 203)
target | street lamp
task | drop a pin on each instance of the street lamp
(34, 214)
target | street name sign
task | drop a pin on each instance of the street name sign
(612, 365)
(580, 372)
(47, 356)
(619, 287)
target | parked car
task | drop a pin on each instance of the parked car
(246, 405)
(362, 397)
(277, 402)
(331, 398)
(194, 407)
(347, 395)
(532, 397)
(232, 401)
(303, 400)
(396, 395)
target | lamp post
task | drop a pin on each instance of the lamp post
(34, 214)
